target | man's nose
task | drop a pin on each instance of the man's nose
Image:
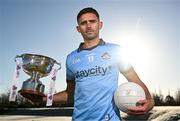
(88, 24)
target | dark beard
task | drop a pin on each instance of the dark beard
(90, 37)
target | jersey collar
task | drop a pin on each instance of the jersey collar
(101, 42)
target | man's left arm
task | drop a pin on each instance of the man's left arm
(145, 105)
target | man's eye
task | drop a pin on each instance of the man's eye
(92, 21)
(83, 23)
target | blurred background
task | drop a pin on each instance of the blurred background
(149, 31)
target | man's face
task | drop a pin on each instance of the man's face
(89, 26)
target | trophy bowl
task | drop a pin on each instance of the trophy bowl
(36, 66)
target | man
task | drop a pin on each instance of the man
(92, 75)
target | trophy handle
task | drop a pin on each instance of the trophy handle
(58, 64)
(17, 56)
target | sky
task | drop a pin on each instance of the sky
(149, 31)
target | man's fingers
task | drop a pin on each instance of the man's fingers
(141, 108)
(136, 113)
(137, 109)
(35, 99)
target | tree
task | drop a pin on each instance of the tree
(169, 100)
(178, 97)
(158, 99)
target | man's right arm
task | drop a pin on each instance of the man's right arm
(66, 96)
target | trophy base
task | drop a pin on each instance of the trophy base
(32, 95)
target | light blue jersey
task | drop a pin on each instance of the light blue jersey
(95, 72)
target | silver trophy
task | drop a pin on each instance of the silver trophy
(36, 66)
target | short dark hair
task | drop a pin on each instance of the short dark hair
(87, 10)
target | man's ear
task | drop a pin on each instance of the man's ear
(100, 25)
(77, 28)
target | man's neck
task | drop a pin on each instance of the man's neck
(91, 43)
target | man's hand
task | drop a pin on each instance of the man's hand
(33, 96)
(143, 106)
(36, 98)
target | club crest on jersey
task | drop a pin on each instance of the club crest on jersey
(106, 56)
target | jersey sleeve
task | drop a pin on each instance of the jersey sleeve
(123, 61)
(69, 74)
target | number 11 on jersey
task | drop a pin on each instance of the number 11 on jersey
(90, 58)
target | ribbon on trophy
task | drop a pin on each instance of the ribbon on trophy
(14, 85)
(51, 88)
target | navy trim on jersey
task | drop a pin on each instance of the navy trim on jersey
(81, 48)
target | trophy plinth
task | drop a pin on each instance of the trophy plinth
(36, 66)
(32, 87)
